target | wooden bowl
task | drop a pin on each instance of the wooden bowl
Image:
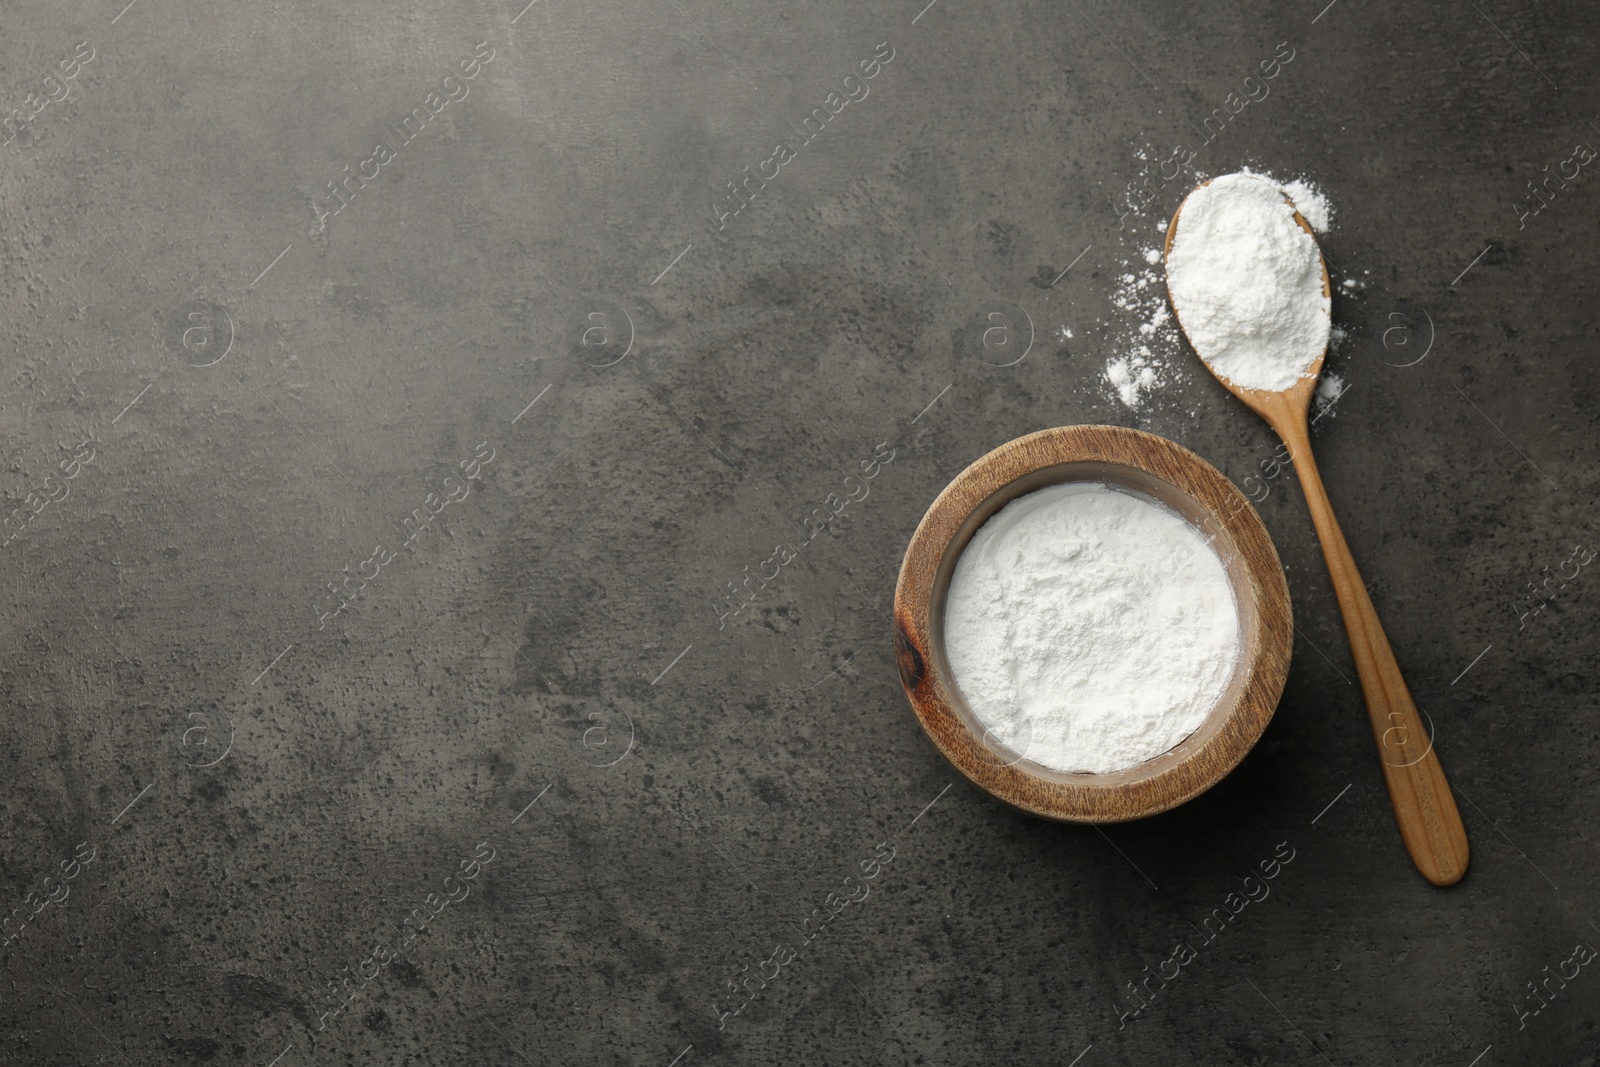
(1184, 483)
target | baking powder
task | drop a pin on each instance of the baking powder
(1246, 282)
(1090, 629)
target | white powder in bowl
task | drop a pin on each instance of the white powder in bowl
(1246, 282)
(1088, 628)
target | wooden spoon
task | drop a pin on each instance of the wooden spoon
(1423, 804)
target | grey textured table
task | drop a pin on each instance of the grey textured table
(402, 413)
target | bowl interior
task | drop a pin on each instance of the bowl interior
(1143, 464)
(1147, 485)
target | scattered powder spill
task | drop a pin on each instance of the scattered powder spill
(1147, 335)
(1132, 376)
(1329, 389)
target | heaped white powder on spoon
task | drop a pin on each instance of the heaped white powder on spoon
(1246, 282)
(1088, 628)
(1309, 201)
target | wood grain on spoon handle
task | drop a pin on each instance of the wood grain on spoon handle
(1424, 806)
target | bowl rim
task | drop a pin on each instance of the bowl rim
(1042, 458)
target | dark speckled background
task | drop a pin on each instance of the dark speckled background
(531, 796)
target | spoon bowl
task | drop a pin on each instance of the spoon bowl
(1293, 401)
(1424, 806)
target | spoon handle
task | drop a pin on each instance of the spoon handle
(1424, 806)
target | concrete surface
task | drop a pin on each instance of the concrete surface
(534, 395)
